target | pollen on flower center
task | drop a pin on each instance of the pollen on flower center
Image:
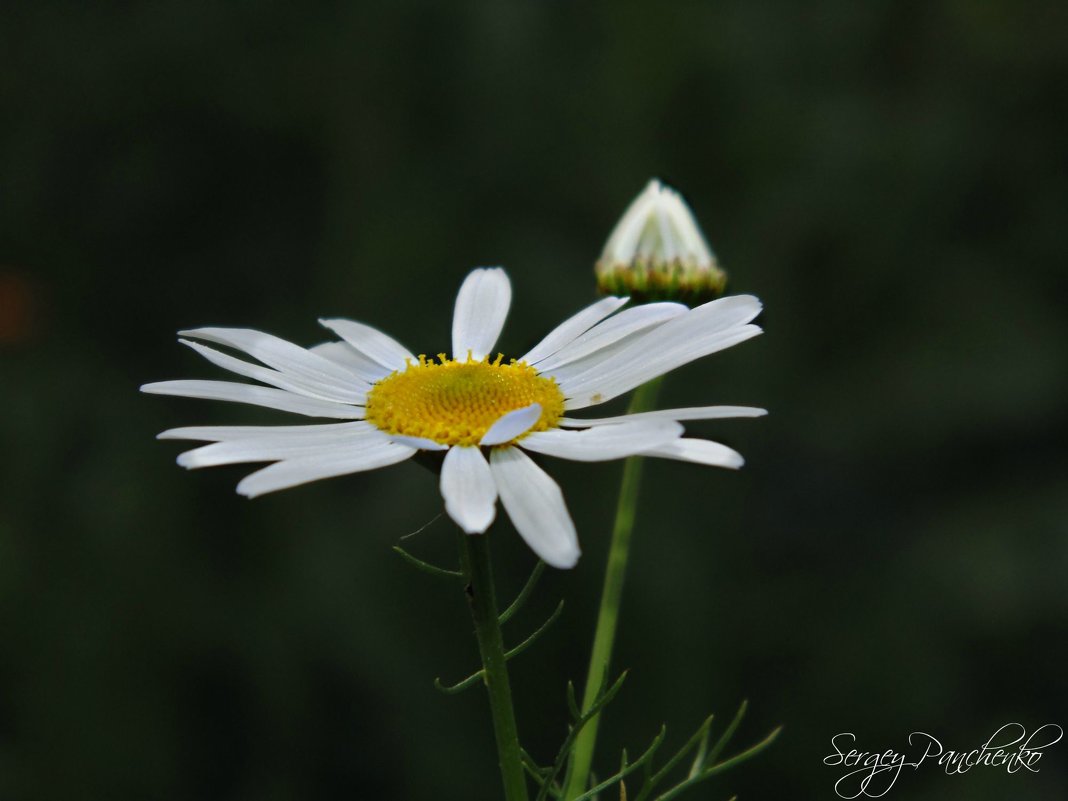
(456, 402)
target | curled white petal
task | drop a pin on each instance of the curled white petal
(511, 425)
(468, 489)
(481, 308)
(536, 507)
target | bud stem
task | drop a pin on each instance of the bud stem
(608, 616)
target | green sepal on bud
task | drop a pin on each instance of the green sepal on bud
(657, 252)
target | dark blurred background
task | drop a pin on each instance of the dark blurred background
(890, 177)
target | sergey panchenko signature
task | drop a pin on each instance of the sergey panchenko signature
(873, 773)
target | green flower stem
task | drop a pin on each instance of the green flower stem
(482, 598)
(608, 616)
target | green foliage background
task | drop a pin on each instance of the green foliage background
(888, 176)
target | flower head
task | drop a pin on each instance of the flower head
(656, 251)
(484, 412)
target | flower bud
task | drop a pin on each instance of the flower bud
(657, 252)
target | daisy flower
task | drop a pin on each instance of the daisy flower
(484, 412)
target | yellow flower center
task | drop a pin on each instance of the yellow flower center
(455, 403)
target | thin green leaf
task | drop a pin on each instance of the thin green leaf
(460, 686)
(721, 767)
(524, 593)
(702, 750)
(541, 630)
(572, 703)
(565, 747)
(728, 733)
(536, 772)
(749, 753)
(426, 567)
(656, 778)
(423, 527)
(626, 769)
(474, 678)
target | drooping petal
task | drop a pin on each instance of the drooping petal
(700, 451)
(536, 506)
(275, 447)
(481, 307)
(303, 470)
(372, 343)
(613, 330)
(228, 433)
(509, 426)
(255, 396)
(468, 489)
(702, 331)
(604, 442)
(689, 413)
(571, 328)
(284, 356)
(355, 393)
(351, 359)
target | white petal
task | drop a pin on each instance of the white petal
(356, 392)
(572, 327)
(691, 241)
(292, 472)
(622, 243)
(290, 359)
(701, 451)
(612, 331)
(591, 363)
(659, 227)
(371, 342)
(232, 433)
(274, 447)
(481, 306)
(511, 425)
(351, 359)
(604, 442)
(690, 413)
(536, 506)
(468, 488)
(704, 330)
(728, 312)
(421, 443)
(255, 396)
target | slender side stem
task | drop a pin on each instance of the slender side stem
(482, 598)
(608, 615)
